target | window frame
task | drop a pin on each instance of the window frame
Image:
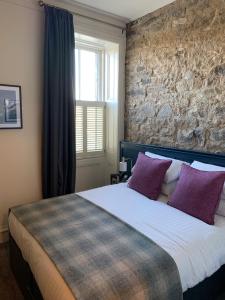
(99, 49)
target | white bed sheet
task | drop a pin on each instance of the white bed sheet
(197, 248)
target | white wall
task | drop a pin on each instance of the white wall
(21, 43)
(21, 58)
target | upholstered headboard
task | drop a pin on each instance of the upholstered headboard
(131, 150)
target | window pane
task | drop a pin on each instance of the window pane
(87, 73)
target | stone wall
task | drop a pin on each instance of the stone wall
(175, 76)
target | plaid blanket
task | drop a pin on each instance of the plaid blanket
(99, 256)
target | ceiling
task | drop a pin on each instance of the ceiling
(129, 9)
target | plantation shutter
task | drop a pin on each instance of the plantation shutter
(90, 127)
(79, 129)
(95, 129)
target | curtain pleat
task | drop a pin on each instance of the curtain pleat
(58, 143)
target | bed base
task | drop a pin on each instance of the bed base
(22, 273)
(211, 288)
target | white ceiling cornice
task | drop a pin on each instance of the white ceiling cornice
(93, 9)
(115, 12)
(128, 9)
(88, 11)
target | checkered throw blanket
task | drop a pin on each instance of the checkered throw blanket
(99, 256)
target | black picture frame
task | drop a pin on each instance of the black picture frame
(10, 107)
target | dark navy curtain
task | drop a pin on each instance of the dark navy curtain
(58, 153)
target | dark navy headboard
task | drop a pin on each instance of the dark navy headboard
(131, 150)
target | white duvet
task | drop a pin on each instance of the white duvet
(197, 248)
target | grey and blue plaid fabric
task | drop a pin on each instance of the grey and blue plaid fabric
(99, 256)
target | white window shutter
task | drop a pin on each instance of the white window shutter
(95, 128)
(90, 128)
(79, 129)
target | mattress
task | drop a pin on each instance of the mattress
(197, 248)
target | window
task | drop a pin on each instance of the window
(90, 105)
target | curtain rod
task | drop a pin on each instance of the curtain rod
(41, 3)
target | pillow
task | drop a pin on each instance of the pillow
(198, 192)
(206, 167)
(148, 175)
(221, 208)
(168, 188)
(173, 171)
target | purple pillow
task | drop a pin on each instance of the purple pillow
(148, 175)
(198, 192)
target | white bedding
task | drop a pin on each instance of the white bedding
(197, 248)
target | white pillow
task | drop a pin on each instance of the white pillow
(168, 188)
(206, 167)
(173, 172)
(221, 208)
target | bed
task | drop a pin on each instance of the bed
(190, 244)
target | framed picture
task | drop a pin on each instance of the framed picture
(10, 107)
